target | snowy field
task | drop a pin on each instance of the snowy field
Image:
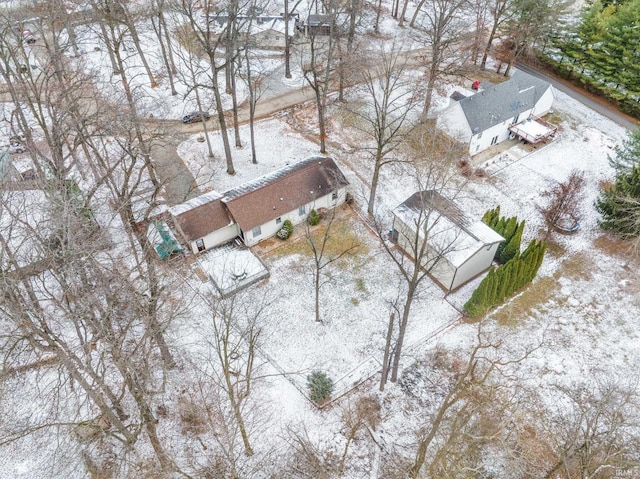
(585, 315)
(582, 309)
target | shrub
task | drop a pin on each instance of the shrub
(320, 386)
(313, 219)
(509, 229)
(286, 231)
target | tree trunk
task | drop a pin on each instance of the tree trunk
(487, 49)
(221, 119)
(287, 42)
(376, 25)
(163, 50)
(374, 185)
(143, 57)
(404, 12)
(235, 404)
(167, 38)
(415, 14)
(234, 102)
(316, 285)
(387, 353)
(401, 332)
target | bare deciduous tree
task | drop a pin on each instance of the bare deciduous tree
(563, 207)
(323, 256)
(393, 99)
(317, 63)
(463, 398)
(420, 240)
(442, 26)
(593, 429)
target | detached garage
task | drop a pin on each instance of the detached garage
(452, 247)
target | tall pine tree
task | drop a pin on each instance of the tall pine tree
(619, 204)
(627, 155)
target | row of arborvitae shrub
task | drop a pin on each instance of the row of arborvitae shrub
(517, 270)
(503, 281)
(510, 229)
(287, 227)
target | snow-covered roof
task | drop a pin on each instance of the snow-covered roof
(449, 230)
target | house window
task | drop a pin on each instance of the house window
(479, 135)
(477, 147)
(256, 231)
(278, 221)
(302, 210)
(515, 120)
(494, 140)
(334, 195)
(200, 244)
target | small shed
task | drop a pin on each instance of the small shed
(453, 247)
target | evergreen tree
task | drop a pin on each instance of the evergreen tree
(619, 204)
(320, 387)
(479, 302)
(511, 246)
(500, 283)
(627, 155)
(616, 57)
(491, 217)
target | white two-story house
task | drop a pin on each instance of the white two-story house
(484, 119)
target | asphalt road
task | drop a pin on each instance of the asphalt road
(600, 106)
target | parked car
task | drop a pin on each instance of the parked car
(196, 116)
(28, 37)
(17, 148)
(15, 145)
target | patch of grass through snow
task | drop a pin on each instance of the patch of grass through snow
(341, 237)
(537, 293)
(576, 267)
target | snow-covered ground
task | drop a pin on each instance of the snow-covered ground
(586, 311)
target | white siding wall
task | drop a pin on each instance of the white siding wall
(269, 39)
(454, 122)
(544, 103)
(216, 238)
(475, 265)
(271, 228)
(444, 272)
(482, 141)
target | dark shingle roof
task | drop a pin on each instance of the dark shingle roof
(427, 200)
(201, 215)
(503, 101)
(273, 195)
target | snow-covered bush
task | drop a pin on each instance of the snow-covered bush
(286, 230)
